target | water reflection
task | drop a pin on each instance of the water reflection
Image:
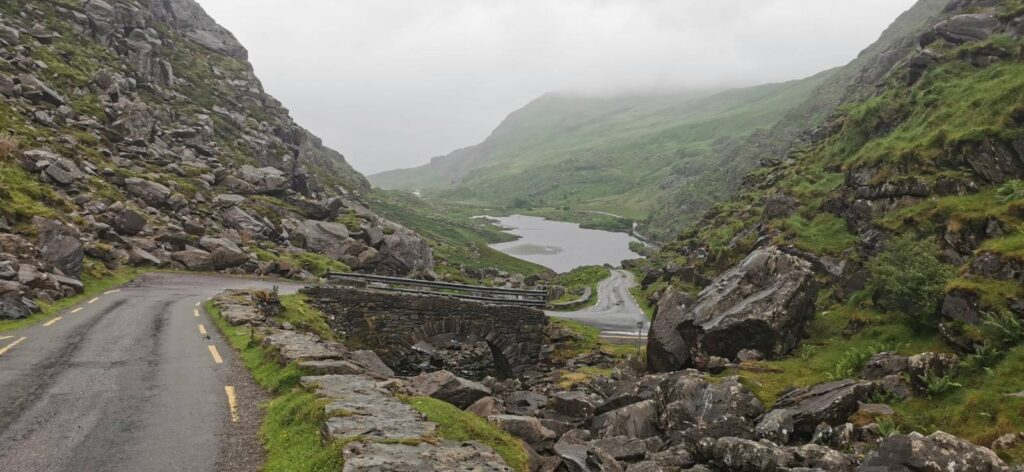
(563, 246)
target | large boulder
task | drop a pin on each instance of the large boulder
(938, 452)
(691, 403)
(831, 403)
(444, 385)
(404, 252)
(194, 259)
(59, 244)
(264, 180)
(764, 303)
(154, 194)
(224, 254)
(236, 218)
(329, 239)
(744, 455)
(128, 222)
(527, 428)
(968, 28)
(11, 302)
(638, 420)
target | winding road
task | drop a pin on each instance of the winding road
(616, 313)
(136, 379)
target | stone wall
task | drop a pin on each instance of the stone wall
(391, 323)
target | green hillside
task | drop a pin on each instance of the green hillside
(606, 154)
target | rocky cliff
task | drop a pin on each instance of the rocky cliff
(135, 133)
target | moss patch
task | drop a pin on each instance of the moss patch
(457, 425)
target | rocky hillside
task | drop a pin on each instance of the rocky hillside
(885, 247)
(134, 133)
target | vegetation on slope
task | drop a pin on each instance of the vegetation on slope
(457, 237)
(456, 425)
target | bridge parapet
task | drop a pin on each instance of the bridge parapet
(391, 323)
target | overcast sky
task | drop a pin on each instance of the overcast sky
(392, 83)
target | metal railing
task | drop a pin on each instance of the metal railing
(501, 296)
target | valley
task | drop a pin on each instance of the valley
(822, 273)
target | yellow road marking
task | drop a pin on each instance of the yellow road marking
(196, 312)
(93, 300)
(197, 304)
(215, 354)
(9, 346)
(51, 322)
(232, 402)
(76, 310)
(108, 292)
(202, 329)
(5, 337)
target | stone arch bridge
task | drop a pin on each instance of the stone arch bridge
(390, 323)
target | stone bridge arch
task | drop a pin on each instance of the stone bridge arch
(392, 323)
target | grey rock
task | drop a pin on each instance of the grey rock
(622, 448)
(237, 218)
(64, 171)
(154, 194)
(359, 406)
(329, 239)
(299, 347)
(404, 252)
(830, 403)
(37, 91)
(884, 364)
(813, 456)
(484, 407)
(224, 254)
(370, 361)
(574, 404)
(11, 301)
(60, 245)
(743, 455)
(709, 409)
(776, 426)
(264, 180)
(968, 28)
(9, 35)
(141, 258)
(930, 363)
(128, 222)
(194, 259)
(444, 385)
(638, 420)
(525, 402)
(423, 457)
(584, 458)
(938, 452)
(527, 428)
(764, 303)
(226, 200)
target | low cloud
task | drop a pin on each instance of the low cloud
(391, 83)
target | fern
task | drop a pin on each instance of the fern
(853, 360)
(1004, 327)
(936, 385)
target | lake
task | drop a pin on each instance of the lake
(562, 246)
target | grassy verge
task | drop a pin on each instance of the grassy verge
(457, 425)
(582, 277)
(304, 317)
(95, 284)
(291, 428)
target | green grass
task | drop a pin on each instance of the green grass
(1011, 245)
(300, 314)
(291, 429)
(314, 263)
(825, 234)
(94, 285)
(456, 425)
(588, 338)
(582, 277)
(816, 359)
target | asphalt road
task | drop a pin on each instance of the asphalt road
(127, 382)
(616, 313)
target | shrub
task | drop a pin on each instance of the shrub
(907, 278)
(8, 146)
(854, 360)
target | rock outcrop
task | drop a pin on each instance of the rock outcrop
(764, 303)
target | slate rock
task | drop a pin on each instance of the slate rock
(527, 428)
(638, 420)
(763, 303)
(830, 403)
(938, 452)
(446, 386)
(60, 245)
